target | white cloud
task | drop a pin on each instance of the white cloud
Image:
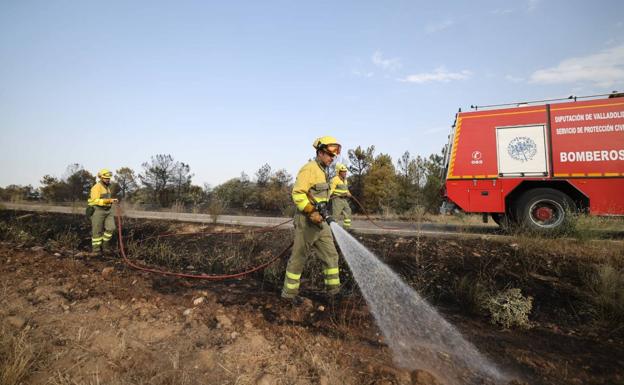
(438, 75)
(603, 69)
(440, 26)
(514, 79)
(386, 64)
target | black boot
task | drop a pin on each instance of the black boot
(294, 301)
(107, 250)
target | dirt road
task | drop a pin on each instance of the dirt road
(360, 225)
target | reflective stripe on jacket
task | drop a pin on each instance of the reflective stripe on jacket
(311, 178)
(339, 187)
(100, 196)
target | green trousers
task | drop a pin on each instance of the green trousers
(311, 238)
(102, 227)
(341, 208)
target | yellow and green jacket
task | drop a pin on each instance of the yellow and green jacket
(311, 178)
(100, 196)
(339, 187)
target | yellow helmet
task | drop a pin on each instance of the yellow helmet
(105, 174)
(328, 144)
(341, 167)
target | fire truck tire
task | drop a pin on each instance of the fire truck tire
(543, 209)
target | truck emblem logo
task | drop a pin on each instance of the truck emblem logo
(522, 148)
(476, 157)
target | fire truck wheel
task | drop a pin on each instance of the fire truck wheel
(543, 209)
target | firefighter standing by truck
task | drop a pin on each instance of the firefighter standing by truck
(340, 196)
(311, 194)
(101, 214)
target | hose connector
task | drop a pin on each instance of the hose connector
(324, 209)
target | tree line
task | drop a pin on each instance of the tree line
(382, 186)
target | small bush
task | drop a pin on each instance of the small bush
(20, 236)
(606, 289)
(416, 214)
(471, 294)
(215, 209)
(510, 308)
(68, 240)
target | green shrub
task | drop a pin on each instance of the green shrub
(510, 308)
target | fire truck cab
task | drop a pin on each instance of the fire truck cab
(534, 163)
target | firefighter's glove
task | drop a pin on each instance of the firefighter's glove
(308, 209)
(315, 217)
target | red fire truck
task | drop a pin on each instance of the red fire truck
(534, 163)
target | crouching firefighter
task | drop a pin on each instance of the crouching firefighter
(311, 194)
(340, 196)
(100, 211)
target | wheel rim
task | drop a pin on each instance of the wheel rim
(546, 213)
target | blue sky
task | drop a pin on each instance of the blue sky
(229, 86)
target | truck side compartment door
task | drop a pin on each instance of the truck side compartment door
(486, 196)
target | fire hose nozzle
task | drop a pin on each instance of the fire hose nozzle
(323, 209)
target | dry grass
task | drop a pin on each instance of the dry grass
(274, 274)
(596, 250)
(152, 376)
(215, 209)
(18, 355)
(177, 207)
(600, 223)
(605, 285)
(158, 252)
(67, 240)
(471, 294)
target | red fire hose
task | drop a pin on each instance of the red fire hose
(209, 277)
(212, 277)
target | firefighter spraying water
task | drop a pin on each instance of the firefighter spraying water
(311, 194)
(417, 335)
